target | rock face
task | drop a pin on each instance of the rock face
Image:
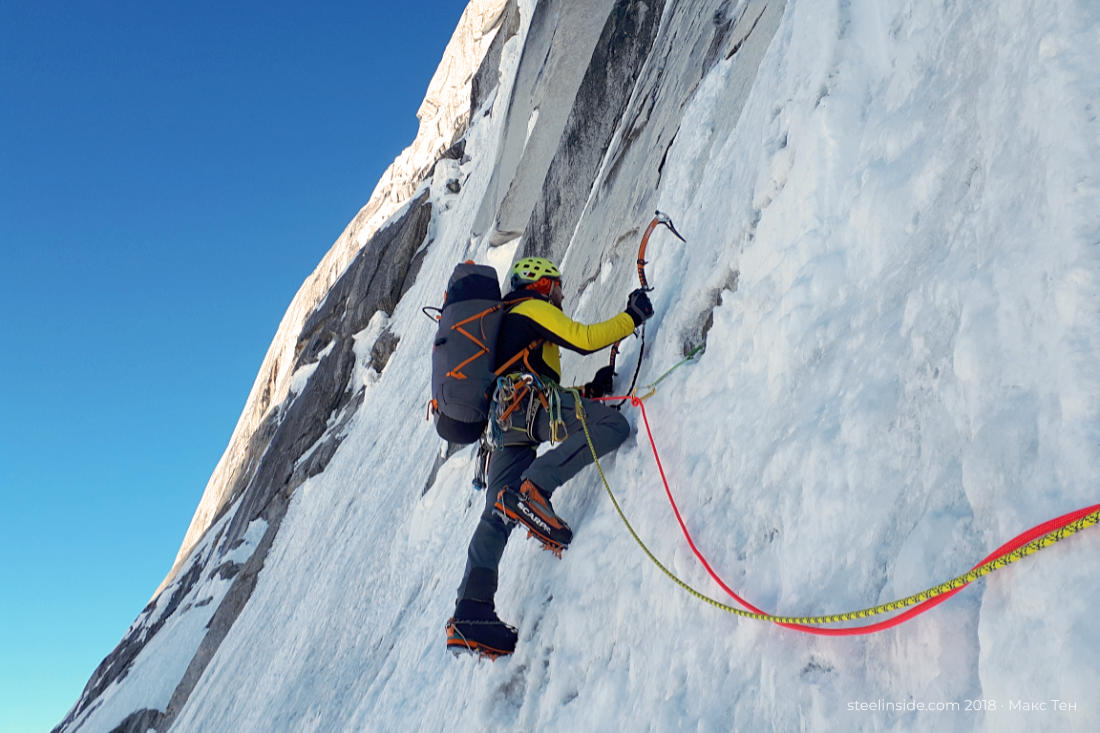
(626, 116)
(604, 92)
(294, 442)
(444, 116)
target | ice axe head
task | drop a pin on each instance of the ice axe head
(663, 218)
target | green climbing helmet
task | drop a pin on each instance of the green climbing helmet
(533, 269)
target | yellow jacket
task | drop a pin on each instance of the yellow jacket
(538, 319)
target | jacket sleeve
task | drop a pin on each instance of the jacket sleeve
(553, 325)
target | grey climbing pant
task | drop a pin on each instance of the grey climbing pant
(516, 460)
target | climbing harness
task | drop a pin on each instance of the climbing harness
(510, 393)
(525, 388)
(1027, 543)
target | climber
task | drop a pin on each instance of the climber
(531, 408)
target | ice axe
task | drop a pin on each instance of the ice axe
(659, 218)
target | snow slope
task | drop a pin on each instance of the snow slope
(892, 260)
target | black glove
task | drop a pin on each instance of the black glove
(638, 307)
(602, 383)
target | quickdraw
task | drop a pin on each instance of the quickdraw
(659, 218)
(651, 389)
(558, 432)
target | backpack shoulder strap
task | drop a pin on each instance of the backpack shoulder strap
(523, 353)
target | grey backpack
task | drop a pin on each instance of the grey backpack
(464, 352)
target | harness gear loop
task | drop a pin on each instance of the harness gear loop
(507, 397)
(512, 390)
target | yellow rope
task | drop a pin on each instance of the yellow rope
(996, 564)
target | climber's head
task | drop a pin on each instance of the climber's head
(538, 274)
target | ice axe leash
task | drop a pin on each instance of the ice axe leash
(659, 218)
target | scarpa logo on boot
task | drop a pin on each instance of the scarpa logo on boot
(534, 518)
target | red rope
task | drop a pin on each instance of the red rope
(1013, 544)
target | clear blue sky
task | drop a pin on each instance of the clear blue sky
(169, 175)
